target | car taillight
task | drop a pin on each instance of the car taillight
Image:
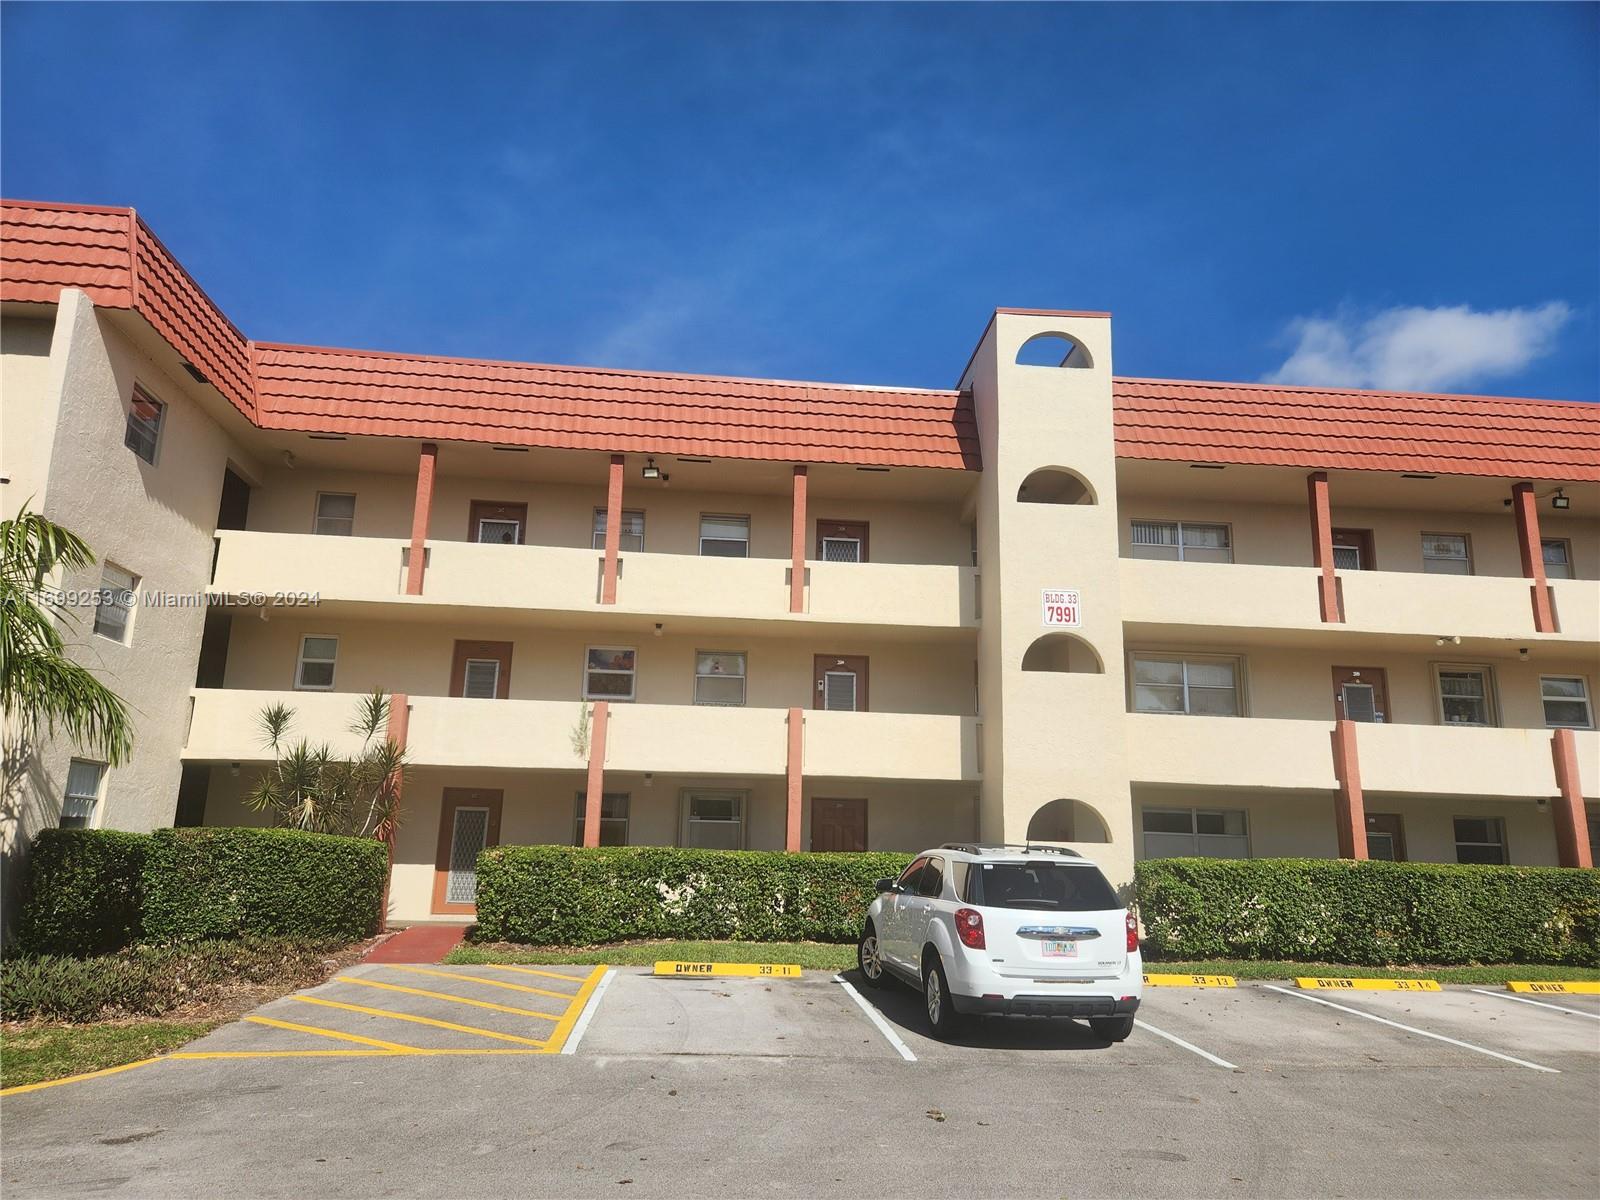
(969, 928)
(1133, 933)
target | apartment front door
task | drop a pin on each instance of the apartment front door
(469, 823)
(841, 541)
(481, 670)
(839, 825)
(841, 682)
(1360, 694)
(1352, 550)
(497, 522)
(1386, 837)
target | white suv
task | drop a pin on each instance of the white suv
(1022, 930)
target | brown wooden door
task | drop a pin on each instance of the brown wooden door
(1352, 550)
(840, 682)
(486, 666)
(469, 823)
(1386, 837)
(497, 522)
(1360, 694)
(839, 825)
(841, 541)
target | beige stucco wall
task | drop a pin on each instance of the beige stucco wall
(28, 408)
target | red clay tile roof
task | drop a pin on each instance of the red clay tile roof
(1357, 430)
(115, 258)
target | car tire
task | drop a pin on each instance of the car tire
(1113, 1029)
(942, 1016)
(869, 958)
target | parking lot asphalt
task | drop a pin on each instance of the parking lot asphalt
(702, 1087)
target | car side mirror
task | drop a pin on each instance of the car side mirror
(887, 885)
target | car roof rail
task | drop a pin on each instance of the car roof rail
(1025, 847)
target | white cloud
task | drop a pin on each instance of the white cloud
(1419, 349)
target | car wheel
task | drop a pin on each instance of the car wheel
(869, 958)
(1113, 1029)
(942, 1016)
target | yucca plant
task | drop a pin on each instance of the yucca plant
(310, 787)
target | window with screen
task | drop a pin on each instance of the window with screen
(713, 820)
(1466, 695)
(113, 613)
(630, 530)
(1182, 541)
(613, 818)
(725, 537)
(1557, 554)
(1195, 833)
(143, 432)
(82, 794)
(336, 514)
(1446, 554)
(1195, 686)
(317, 658)
(1481, 840)
(719, 678)
(609, 673)
(1566, 702)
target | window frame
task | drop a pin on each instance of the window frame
(88, 820)
(1587, 699)
(633, 675)
(625, 818)
(701, 530)
(301, 660)
(134, 423)
(686, 818)
(744, 678)
(1184, 657)
(1466, 542)
(597, 533)
(1504, 844)
(108, 588)
(1179, 546)
(466, 678)
(317, 518)
(1491, 696)
(1566, 550)
(1193, 812)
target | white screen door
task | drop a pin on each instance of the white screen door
(468, 839)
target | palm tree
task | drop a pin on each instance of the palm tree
(39, 686)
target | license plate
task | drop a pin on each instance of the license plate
(1059, 949)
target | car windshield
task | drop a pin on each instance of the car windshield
(1053, 887)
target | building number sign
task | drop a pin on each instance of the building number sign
(1061, 608)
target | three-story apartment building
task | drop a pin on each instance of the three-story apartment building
(1140, 617)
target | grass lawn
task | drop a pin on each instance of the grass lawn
(35, 1053)
(816, 956)
(1268, 969)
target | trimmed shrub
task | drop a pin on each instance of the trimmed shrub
(1368, 913)
(560, 895)
(150, 980)
(229, 883)
(83, 892)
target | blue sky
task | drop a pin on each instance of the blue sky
(1398, 196)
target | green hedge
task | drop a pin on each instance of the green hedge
(1368, 913)
(229, 883)
(561, 896)
(83, 892)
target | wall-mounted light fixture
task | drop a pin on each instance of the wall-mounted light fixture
(1449, 639)
(1560, 500)
(651, 471)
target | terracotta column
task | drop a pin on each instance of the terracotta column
(1322, 545)
(608, 584)
(1525, 506)
(795, 776)
(1572, 827)
(1349, 812)
(398, 727)
(597, 772)
(419, 519)
(797, 545)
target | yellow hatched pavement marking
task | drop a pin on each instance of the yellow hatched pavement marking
(213, 1054)
(499, 983)
(50, 1083)
(395, 987)
(536, 971)
(563, 1029)
(329, 1033)
(383, 1012)
(1551, 987)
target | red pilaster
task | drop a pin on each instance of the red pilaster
(797, 546)
(1525, 507)
(597, 772)
(398, 727)
(419, 518)
(1572, 829)
(791, 841)
(1322, 546)
(608, 583)
(1349, 812)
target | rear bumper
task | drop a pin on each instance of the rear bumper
(1046, 1006)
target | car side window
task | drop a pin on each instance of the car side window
(912, 876)
(932, 882)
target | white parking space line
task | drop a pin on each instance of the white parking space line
(1577, 1012)
(876, 1018)
(1438, 1037)
(571, 1046)
(1189, 1046)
